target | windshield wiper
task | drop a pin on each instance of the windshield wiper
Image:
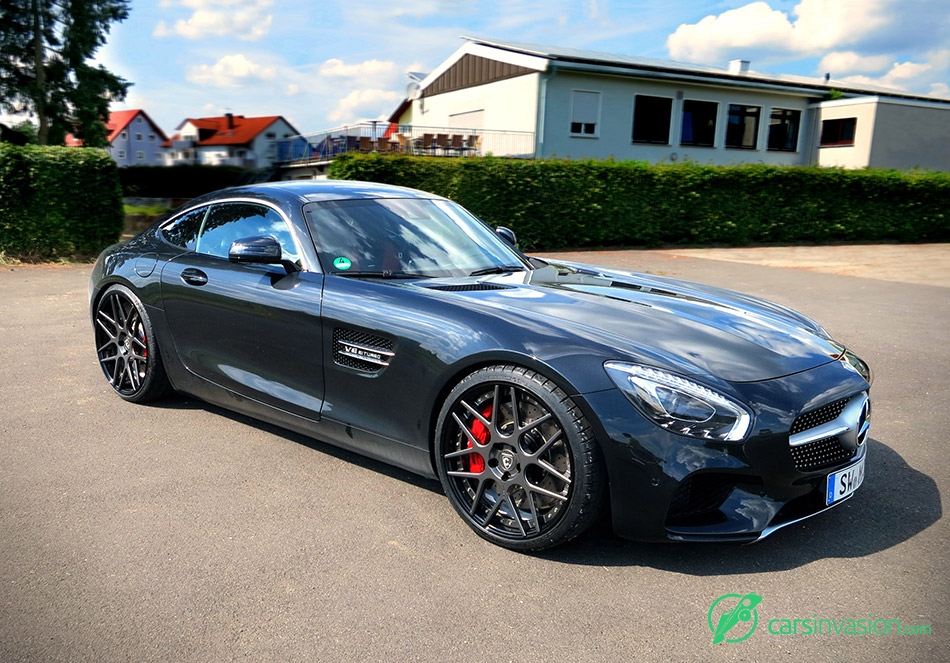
(498, 269)
(384, 274)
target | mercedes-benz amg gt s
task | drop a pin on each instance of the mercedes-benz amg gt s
(394, 323)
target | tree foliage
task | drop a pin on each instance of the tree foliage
(45, 49)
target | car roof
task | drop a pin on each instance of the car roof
(305, 191)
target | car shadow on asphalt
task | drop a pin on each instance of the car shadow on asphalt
(894, 504)
(182, 402)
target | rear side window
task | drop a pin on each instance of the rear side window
(184, 231)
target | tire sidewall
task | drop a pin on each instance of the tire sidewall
(577, 515)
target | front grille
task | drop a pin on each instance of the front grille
(821, 454)
(361, 351)
(819, 416)
(825, 452)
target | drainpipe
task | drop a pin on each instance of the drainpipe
(542, 107)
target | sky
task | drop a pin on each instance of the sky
(326, 63)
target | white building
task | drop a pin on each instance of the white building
(585, 104)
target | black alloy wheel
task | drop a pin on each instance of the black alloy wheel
(518, 460)
(125, 343)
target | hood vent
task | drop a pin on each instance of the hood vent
(469, 287)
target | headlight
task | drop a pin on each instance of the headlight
(679, 405)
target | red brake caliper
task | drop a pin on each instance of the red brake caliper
(476, 463)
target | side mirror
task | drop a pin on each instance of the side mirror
(263, 250)
(507, 234)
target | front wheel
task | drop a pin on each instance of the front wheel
(127, 348)
(518, 460)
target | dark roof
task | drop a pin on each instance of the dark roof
(674, 69)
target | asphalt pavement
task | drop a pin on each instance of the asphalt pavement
(181, 532)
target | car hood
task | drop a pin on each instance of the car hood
(700, 329)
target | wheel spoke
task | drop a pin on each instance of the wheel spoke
(548, 443)
(534, 424)
(545, 491)
(514, 513)
(464, 475)
(479, 493)
(553, 470)
(478, 415)
(471, 436)
(515, 418)
(534, 510)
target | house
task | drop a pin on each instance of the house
(586, 104)
(234, 140)
(134, 139)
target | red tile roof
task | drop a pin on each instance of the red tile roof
(233, 130)
(117, 123)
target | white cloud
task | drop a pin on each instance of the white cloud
(248, 20)
(360, 104)
(928, 76)
(848, 61)
(336, 68)
(229, 71)
(819, 26)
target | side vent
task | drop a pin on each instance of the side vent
(361, 351)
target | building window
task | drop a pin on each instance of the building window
(742, 130)
(651, 119)
(139, 119)
(699, 123)
(585, 113)
(140, 155)
(838, 132)
(138, 137)
(120, 154)
(124, 135)
(783, 129)
(151, 138)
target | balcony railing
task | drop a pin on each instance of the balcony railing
(386, 138)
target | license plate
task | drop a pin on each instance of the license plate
(844, 482)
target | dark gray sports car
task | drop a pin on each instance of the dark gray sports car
(394, 323)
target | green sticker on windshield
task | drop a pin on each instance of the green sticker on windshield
(342, 263)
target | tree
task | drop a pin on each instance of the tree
(45, 46)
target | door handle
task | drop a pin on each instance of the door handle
(193, 276)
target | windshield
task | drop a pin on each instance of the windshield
(406, 237)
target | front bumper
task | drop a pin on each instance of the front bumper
(666, 487)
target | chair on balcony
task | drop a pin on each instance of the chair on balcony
(428, 143)
(458, 146)
(366, 144)
(474, 145)
(442, 143)
(384, 146)
(405, 143)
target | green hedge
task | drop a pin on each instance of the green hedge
(58, 201)
(555, 204)
(184, 181)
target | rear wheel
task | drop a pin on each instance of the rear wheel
(518, 460)
(126, 345)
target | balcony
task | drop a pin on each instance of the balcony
(385, 138)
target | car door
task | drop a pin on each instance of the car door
(252, 329)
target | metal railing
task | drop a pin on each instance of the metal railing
(387, 138)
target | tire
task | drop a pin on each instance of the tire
(526, 481)
(127, 347)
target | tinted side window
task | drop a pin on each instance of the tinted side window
(232, 221)
(184, 231)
